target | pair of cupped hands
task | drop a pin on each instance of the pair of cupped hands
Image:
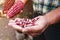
(33, 28)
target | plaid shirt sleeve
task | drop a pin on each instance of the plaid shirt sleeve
(44, 6)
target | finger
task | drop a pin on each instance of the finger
(13, 25)
(10, 24)
(32, 29)
(33, 34)
(11, 21)
(17, 27)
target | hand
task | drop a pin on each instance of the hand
(37, 29)
(41, 25)
(13, 25)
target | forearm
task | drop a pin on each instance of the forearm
(53, 16)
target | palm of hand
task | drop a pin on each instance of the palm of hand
(38, 28)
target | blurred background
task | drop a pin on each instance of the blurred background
(6, 32)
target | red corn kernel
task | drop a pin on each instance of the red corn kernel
(15, 9)
(7, 5)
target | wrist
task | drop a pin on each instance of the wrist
(46, 20)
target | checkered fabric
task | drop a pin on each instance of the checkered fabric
(45, 6)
